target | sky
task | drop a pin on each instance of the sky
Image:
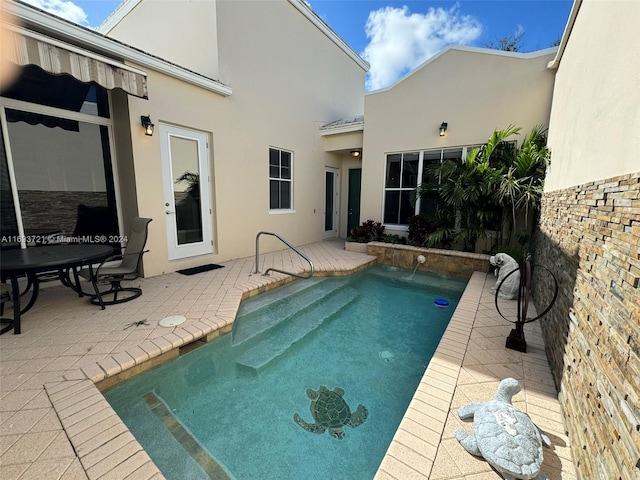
(397, 36)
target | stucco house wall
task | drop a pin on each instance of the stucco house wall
(589, 237)
(183, 31)
(475, 91)
(283, 91)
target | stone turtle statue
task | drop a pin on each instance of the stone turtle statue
(504, 436)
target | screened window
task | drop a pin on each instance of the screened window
(280, 179)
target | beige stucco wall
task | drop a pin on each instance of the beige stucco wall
(474, 90)
(183, 32)
(283, 91)
(595, 119)
(343, 141)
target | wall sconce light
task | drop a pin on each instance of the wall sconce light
(443, 128)
(355, 153)
(147, 125)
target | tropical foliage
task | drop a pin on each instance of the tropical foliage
(369, 231)
(488, 190)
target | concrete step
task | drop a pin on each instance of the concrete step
(282, 338)
(263, 314)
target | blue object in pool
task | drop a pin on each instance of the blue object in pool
(441, 302)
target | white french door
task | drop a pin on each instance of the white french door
(187, 194)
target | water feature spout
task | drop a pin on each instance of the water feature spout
(419, 261)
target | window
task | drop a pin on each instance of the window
(402, 174)
(56, 172)
(280, 179)
(401, 179)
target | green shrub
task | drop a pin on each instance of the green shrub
(395, 239)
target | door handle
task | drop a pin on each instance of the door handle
(168, 212)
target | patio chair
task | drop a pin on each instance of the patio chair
(129, 268)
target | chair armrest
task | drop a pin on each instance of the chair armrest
(119, 256)
(111, 258)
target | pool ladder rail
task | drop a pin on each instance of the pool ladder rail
(266, 273)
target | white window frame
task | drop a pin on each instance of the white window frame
(290, 209)
(399, 227)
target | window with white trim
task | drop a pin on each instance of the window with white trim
(404, 173)
(401, 179)
(280, 179)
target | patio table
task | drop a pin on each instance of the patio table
(33, 260)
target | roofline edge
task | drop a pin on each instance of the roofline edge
(117, 15)
(26, 14)
(302, 7)
(555, 63)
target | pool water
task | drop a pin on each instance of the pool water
(371, 335)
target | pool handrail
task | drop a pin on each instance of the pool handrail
(310, 274)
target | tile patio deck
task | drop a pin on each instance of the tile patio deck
(55, 424)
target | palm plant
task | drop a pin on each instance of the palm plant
(465, 194)
(476, 193)
(521, 186)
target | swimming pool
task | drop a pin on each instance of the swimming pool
(228, 408)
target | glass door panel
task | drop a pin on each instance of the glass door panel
(64, 177)
(185, 171)
(186, 189)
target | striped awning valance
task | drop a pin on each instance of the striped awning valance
(28, 48)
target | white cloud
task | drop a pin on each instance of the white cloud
(64, 9)
(400, 40)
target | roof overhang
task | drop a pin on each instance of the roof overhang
(305, 10)
(347, 125)
(86, 39)
(555, 63)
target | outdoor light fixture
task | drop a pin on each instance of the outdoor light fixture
(443, 128)
(147, 125)
(355, 153)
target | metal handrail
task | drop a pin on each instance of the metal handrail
(288, 245)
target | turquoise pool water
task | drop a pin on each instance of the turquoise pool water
(371, 335)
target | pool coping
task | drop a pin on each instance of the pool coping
(413, 450)
(106, 449)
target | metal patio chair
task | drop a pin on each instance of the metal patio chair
(129, 268)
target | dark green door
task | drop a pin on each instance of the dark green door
(353, 217)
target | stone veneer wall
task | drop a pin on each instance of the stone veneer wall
(589, 237)
(447, 262)
(57, 210)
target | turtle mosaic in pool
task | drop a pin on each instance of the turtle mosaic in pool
(330, 411)
(357, 347)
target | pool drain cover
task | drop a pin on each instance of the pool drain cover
(386, 355)
(172, 321)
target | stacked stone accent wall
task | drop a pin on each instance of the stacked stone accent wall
(589, 236)
(446, 262)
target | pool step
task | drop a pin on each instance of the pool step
(284, 337)
(259, 315)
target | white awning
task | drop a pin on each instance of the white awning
(53, 56)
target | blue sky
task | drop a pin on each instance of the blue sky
(397, 36)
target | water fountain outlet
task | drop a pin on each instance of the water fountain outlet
(420, 259)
